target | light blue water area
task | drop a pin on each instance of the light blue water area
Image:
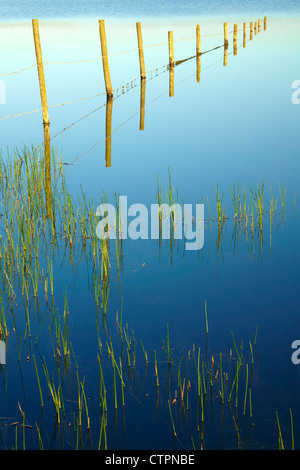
(237, 124)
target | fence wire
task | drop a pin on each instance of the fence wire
(138, 111)
(122, 89)
(93, 59)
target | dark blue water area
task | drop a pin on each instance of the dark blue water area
(238, 125)
(27, 9)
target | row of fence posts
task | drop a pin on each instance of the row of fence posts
(254, 29)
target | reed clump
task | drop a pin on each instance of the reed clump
(37, 219)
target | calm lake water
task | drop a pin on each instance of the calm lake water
(238, 125)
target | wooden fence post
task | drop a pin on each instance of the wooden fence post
(198, 40)
(171, 63)
(108, 86)
(225, 35)
(265, 23)
(43, 93)
(245, 34)
(225, 44)
(171, 48)
(40, 67)
(255, 27)
(198, 53)
(141, 51)
(235, 39)
(259, 26)
(251, 30)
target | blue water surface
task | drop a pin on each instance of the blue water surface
(237, 125)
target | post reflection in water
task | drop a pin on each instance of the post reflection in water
(225, 55)
(198, 68)
(235, 34)
(48, 188)
(108, 130)
(142, 104)
(171, 80)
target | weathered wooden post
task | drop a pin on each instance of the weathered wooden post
(259, 26)
(109, 90)
(255, 27)
(265, 23)
(171, 63)
(171, 48)
(235, 33)
(141, 51)
(40, 67)
(225, 44)
(198, 53)
(198, 40)
(46, 122)
(245, 34)
(225, 35)
(251, 30)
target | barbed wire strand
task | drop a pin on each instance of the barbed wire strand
(137, 112)
(104, 105)
(123, 87)
(116, 90)
(54, 106)
(162, 69)
(112, 54)
(21, 114)
(131, 85)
